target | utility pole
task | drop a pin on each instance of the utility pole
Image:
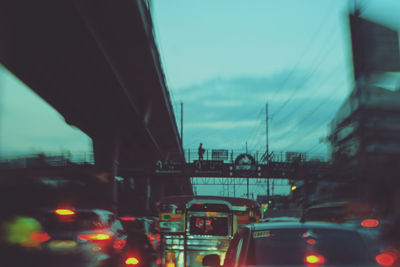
(266, 132)
(267, 145)
(182, 124)
(248, 185)
(273, 187)
(234, 188)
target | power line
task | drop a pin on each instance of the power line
(307, 99)
(321, 104)
(308, 115)
(304, 52)
(305, 81)
(210, 133)
(313, 129)
(254, 127)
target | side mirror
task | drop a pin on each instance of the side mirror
(211, 260)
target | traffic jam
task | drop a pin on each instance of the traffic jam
(199, 231)
(95, 172)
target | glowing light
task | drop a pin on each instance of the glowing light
(40, 237)
(131, 261)
(89, 237)
(129, 219)
(311, 241)
(385, 259)
(119, 244)
(315, 259)
(265, 207)
(170, 257)
(64, 212)
(293, 188)
(370, 223)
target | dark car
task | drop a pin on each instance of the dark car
(72, 231)
(299, 244)
(140, 248)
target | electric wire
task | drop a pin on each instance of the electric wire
(321, 59)
(292, 71)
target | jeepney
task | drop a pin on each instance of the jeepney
(194, 226)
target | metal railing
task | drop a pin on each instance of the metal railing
(191, 155)
(229, 156)
(46, 159)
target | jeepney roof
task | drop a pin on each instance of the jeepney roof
(234, 201)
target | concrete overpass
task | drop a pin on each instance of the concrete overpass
(96, 63)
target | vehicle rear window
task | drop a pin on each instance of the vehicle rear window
(217, 226)
(79, 222)
(291, 246)
(332, 214)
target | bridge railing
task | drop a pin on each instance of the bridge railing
(229, 156)
(47, 159)
(191, 155)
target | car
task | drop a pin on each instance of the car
(280, 219)
(142, 242)
(300, 244)
(361, 216)
(96, 232)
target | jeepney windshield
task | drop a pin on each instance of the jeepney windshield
(216, 226)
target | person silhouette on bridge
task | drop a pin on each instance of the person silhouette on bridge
(201, 151)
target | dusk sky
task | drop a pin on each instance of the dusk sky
(225, 60)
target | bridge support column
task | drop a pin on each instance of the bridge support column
(106, 147)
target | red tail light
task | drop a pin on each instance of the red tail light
(131, 261)
(119, 244)
(315, 259)
(152, 237)
(64, 212)
(94, 237)
(370, 223)
(128, 219)
(40, 237)
(385, 259)
(311, 241)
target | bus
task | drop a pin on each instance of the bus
(194, 226)
(359, 214)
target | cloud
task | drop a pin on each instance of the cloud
(227, 113)
(222, 103)
(221, 124)
(29, 125)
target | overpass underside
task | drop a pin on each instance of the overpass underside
(96, 63)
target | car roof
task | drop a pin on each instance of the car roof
(299, 225)
(281, 219)
(184, 199)
(102, 214)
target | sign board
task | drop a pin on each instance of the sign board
(245, 165)
(295, 156)
(375, 47)
(282, 169)
(169, 167)
(171, 227)
(219, 154)
(208, 166)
